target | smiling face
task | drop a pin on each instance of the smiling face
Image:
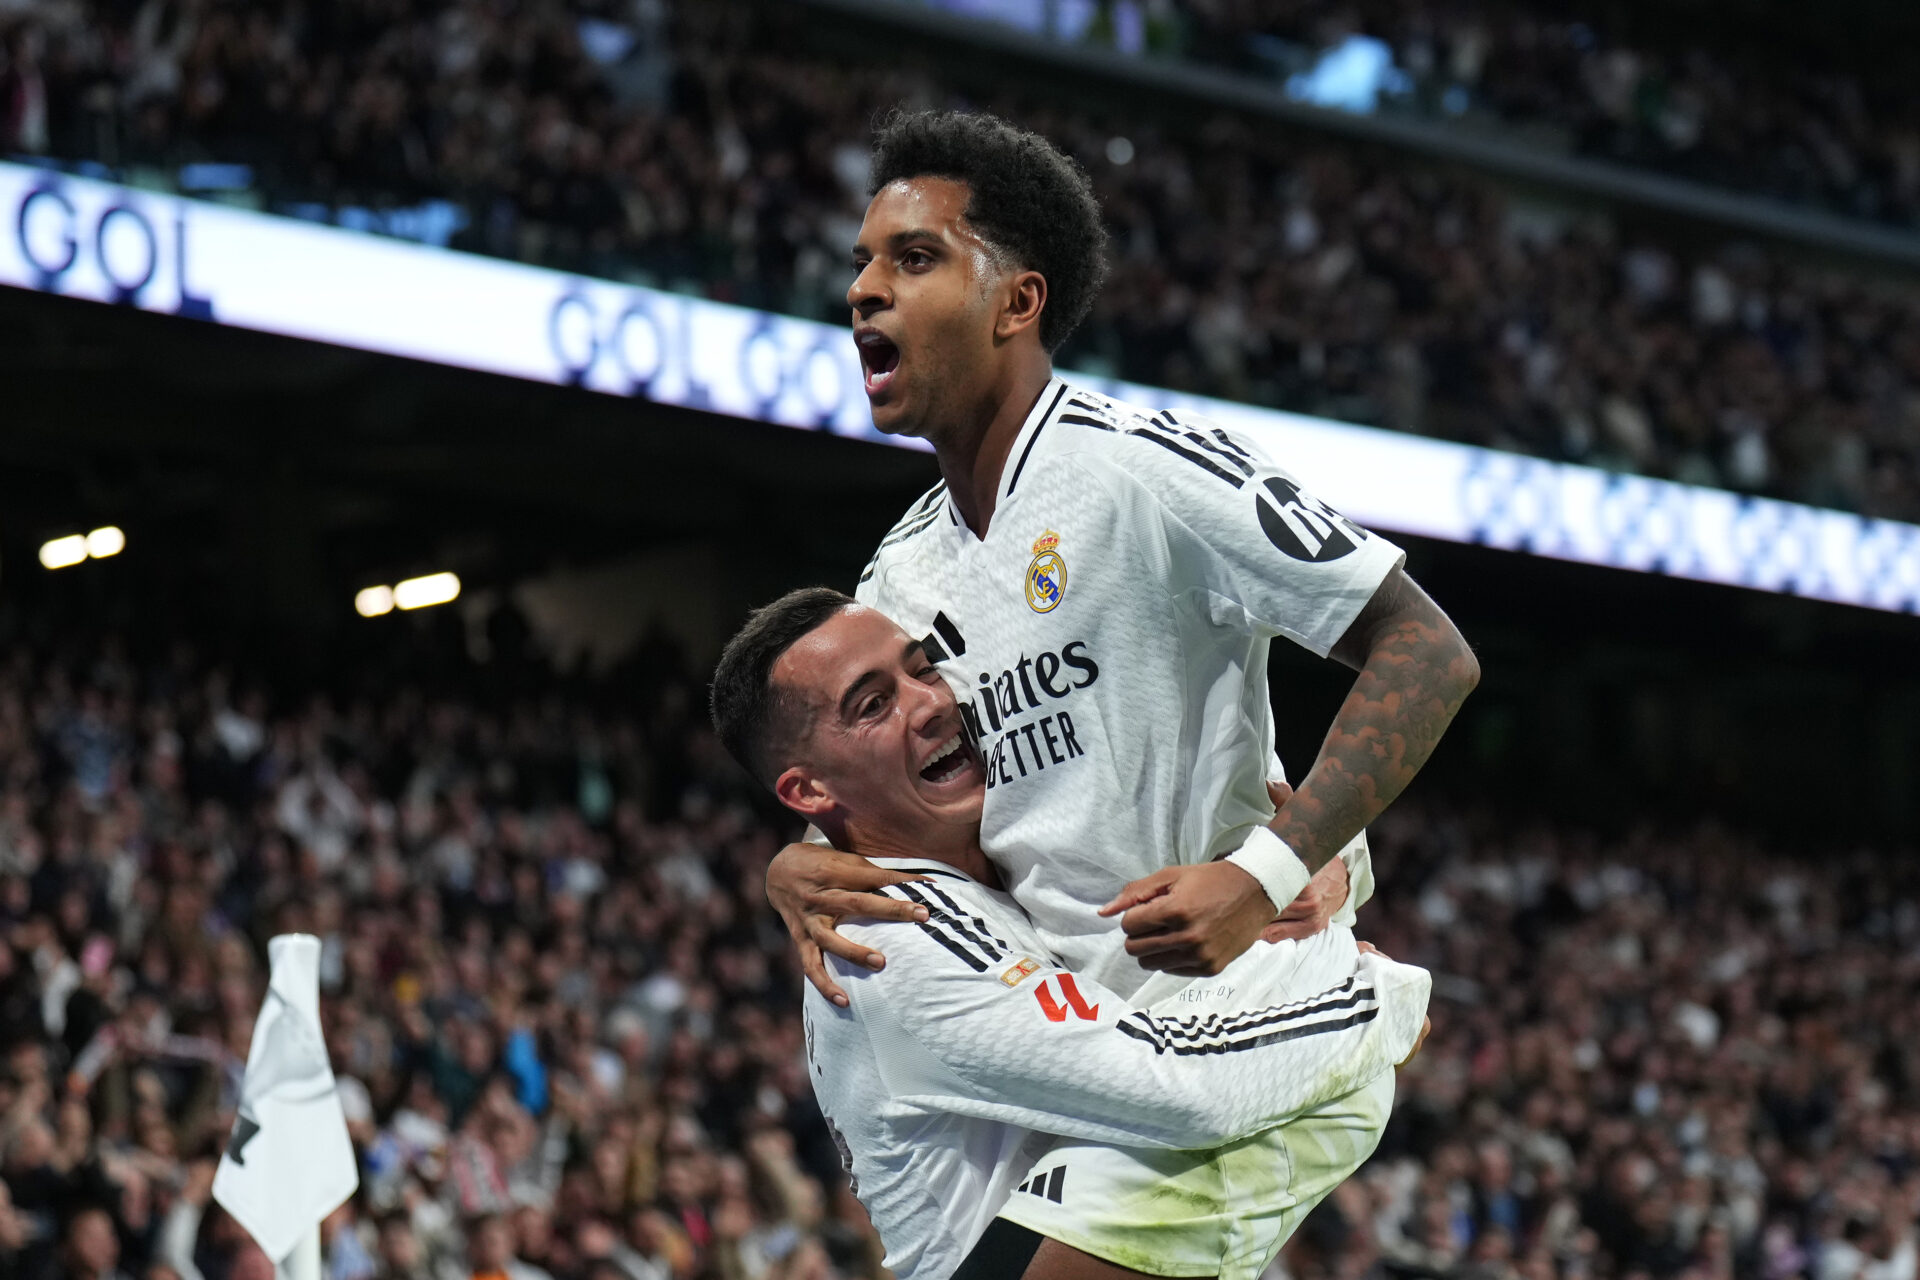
(882, 753)
(929, 300)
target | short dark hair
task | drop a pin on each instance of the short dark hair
(1027, 198)
(749, 714)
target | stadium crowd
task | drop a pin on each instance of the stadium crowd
(699, 147)
(1742, 112)
(566, 1024)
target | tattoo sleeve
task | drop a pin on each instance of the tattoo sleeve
(1415, 671)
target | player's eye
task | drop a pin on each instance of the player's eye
(872, 706)
(916, 258)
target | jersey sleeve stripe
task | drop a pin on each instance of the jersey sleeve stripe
(1086, 420)
(923, 506)
(1199, 460)
(1232, 459)
(918, 516)
(933, 496)
(1305, 1004)
(973, 961)
(1213, 1030)
(941, 928)
(1272, 1037)
(946, 913)
(1231, 443)
(1344, 996)
(960, 912)
(903, 534)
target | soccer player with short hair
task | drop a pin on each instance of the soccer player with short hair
(946, 1071)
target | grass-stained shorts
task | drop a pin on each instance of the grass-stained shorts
(1224, 1212)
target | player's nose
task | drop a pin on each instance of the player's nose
(866, 295)
(928, 706)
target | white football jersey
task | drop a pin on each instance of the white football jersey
(952, 1068)
(1108, 643)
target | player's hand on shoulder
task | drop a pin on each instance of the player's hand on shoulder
(1192, 921)
(814, 888)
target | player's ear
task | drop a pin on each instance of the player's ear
(799, 790)
(1025, 298)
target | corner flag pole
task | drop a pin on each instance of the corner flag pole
(290, 1162)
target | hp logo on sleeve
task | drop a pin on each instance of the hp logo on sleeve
(1303, 526)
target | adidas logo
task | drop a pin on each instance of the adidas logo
(1046, 1185)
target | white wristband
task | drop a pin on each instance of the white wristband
(1266, 857)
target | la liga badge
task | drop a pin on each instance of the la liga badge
(1046, 575)
(1019, 973)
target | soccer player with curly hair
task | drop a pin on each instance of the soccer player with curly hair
(1099, 583)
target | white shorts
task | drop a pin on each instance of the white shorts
(1224, 1212)
(1227, 1211)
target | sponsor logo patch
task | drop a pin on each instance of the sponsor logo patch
(1019, 973)
(1301, 525)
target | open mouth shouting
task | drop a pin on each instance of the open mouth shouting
(879, 358)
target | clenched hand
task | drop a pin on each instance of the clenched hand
(1192, 921)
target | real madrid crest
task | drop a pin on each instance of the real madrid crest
(1047, 575)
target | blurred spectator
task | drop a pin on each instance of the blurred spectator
(91, 1250)
(1746, 111)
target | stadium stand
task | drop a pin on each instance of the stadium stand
(1740, 113)
(569, 1028)
(697, 148)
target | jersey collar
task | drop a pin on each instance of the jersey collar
(925, 867)
(1044, 410)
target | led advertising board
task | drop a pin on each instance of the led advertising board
(83, 238)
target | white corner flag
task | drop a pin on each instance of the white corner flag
(290, 1162)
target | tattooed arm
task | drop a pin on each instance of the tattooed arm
(1415, 670)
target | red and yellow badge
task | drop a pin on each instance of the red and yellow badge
(1047, 575)
(1027, 967)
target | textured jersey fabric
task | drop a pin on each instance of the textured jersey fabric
(1108, 642)
(951, 1065)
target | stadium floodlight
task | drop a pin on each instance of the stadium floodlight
(371, 602)
(106, 541)
(63, 553)
(418, 593)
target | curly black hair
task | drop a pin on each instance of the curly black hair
(1027, 199)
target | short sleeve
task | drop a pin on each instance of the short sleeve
(1242, 528)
